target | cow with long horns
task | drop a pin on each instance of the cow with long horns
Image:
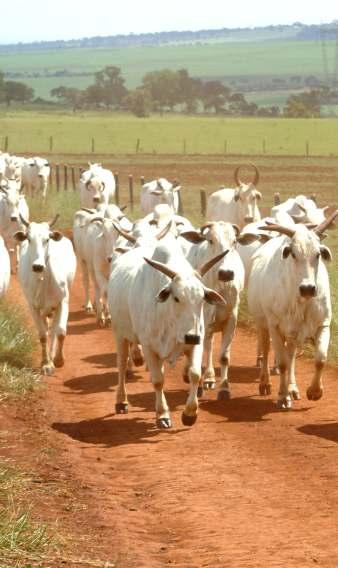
(13, 206)
(97, 185)
(289, 298)
(158, 303)
(239, 205)
(159, 191)
(46, 270)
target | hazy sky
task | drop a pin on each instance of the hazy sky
(33, 20)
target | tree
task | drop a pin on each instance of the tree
(15, 91)
(304, 105)
(189, 90)
(164, 88)
(214, 95)
(69, 95)
(110, 84)
(138, 102)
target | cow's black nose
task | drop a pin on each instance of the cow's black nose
(307, 290)
(225, 275)
(38, 268)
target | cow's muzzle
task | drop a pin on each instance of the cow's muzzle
(226, 275)
(307, 290)
(14, 218)
(38, 268)
(192, 339)
(96, 199)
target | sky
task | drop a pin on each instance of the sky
(36, 20)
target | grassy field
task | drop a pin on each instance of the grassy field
(114, 134)
(206, 60)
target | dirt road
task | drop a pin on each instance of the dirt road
(247, 486)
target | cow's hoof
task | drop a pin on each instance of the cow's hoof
(284, 403)
(295, 395)
(188, 420)
(199, 392)
(48, 369)
(274, 370)
(138, 361)
(224, 395)
(186, 379)
(209, 384)
(264, 389)
(101, 323)
(89, 310)
(108, 321)
(163, 423)
(314, 393)
(59, 362)
(121, 408)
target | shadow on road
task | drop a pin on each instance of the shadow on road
(326, 431)
(111, 431)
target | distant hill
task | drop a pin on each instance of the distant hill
(296, 32)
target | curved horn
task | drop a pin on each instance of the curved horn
(164, 231)
(123, 208)
(279, 228)
(207, 265)
(97, 219)
(237, 180)
(124, 233)
(319, 230)
(206, 226)
(23, 220)
(301, 208)
(161, 267)
(256, 178)
(91, 211)
(160, 185)
(53, 221)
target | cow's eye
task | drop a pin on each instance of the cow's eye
(176, 299)
(293, 255)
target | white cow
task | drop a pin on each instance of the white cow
(289, 298)
(97, 185)
(12, 205)
(95, 238)
(47, 267)
(301, 209)
(159, 191)
(227, 277)
(238, 206)
(5, 268)
(158, 302)
(35, 174)
(13, 169)
(4, 156)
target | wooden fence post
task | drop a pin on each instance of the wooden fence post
(184, 146)
(57, 177)
(65, 178)
(137, 145)
(131, 192)
(6, 143)
(203, 202)
(142, 180)
(225, 146)
(264, 146)
(73, 178)
(276, 199)
(117, 188)
(51, 143)
(307, 149)
(93, 145)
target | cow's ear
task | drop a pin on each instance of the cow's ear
(247, 238)
(286, 251)
(193, 236)
(325, 253)
(163, 295)
(56, 235)
(20, 236)
(213, 297)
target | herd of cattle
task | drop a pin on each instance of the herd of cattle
(165, 287)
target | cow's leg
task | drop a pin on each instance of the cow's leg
(100, 319)
(85, 279)
(259, 358)
(322, 340)
(102, 284)
(284, 398)
(47, 366)
(121, 405)
(136, 354)
(209, 381)
(155, 365)
(264, 378)
(227, 337)
(291, 347)
(189, 414)
(59, 332)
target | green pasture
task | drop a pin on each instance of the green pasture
(207, 60)
(116, 134)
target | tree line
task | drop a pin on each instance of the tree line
(166, 90)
